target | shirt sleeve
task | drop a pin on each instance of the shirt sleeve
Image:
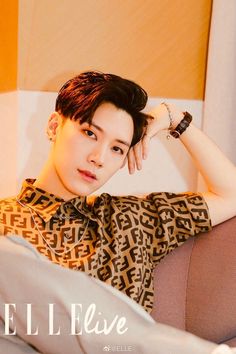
(179, 216)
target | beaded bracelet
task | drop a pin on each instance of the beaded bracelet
(171, 126)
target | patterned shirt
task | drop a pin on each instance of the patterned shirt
(117, 239)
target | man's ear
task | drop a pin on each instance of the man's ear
(54, 121)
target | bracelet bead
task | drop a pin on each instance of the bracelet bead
(171, 125)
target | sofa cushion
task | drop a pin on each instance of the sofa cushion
(195, 285)
(211, 287)
(231, 342)
(170, 282)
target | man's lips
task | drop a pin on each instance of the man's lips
(88, 174)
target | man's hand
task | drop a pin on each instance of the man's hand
(160, 121)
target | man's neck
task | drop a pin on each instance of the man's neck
(49, 181)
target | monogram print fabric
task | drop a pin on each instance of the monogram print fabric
(116, 239)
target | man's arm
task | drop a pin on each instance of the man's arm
(218, 172)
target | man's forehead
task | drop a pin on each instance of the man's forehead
(109, 118)
(99, 128)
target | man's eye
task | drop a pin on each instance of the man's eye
(89, 133)
(118, 149)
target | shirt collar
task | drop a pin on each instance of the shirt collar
(46, 204)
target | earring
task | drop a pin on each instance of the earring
(49, 135)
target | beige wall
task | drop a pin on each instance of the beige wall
(8, 143)
(161, 44)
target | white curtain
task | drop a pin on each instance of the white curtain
(220, 98)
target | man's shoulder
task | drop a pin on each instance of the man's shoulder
(122, 202)
(5, 203)
(108, 198)
(132, 198)
(139, 201)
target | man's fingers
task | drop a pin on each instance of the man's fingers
(131, 161)
(138, 155)
(145, 146)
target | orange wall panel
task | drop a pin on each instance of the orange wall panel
(160, 44)
(8, 44)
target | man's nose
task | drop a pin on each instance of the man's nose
(97, 156)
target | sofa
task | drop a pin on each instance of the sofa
(195, 286)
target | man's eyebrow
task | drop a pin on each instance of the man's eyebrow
(102, 131)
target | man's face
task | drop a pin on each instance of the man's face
(85, 156)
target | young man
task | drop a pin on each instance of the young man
(97, 126)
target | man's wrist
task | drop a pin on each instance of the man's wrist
(182, 126)
(177, 122)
